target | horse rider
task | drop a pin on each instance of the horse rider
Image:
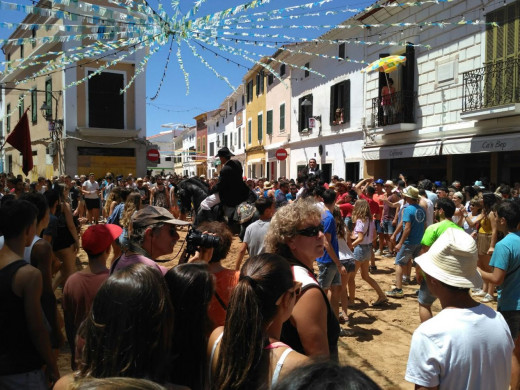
(230, 189)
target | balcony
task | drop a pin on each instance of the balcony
(492, 91)
(400, 112)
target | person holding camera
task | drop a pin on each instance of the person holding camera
(152, 233)
(225, 279)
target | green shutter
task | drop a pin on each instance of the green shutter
(269, 122)
(34, 106)
(249, 132)
(282, 117)
(260, 127)
(21, 107)
(8, 118)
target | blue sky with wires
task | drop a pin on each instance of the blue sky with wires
(165, 80)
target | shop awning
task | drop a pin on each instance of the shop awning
(493, 143)
(420, 149)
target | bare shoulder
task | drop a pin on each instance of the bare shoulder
(213, 338)
(64, 382)
(294, 360)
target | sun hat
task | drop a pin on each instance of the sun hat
(389, 183)
(411, 192)
(150, 215)
(379, 181)
(268, 186)
(452, 259)
(224, 152)
(97, 238)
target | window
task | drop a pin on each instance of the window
(282, 117)
(34, 106)
(167, 159)
(9, 61)
(204, 145)
(212, 149)
(33, 36)
(260, 127)
(8, 120)
(305, 112)
(21, 106)
(307, 73)
(282, 70)
(239, 137)
(106, 106)
(270, 79)
(243, 100)
(269, 122)
(198, 145)
(218, 123)
(260, 83)
(341, 51)
(21, 51)
(352, 171)
(48, 97)
(230, 109)
(249, 91)
(340, 103)
(226, 141)
(249, 132)
(236, 105)
(9, 163)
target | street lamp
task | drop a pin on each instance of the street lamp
(55, 128)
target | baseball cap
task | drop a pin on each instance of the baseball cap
(380, 181)
(97, 238)
(150, 215)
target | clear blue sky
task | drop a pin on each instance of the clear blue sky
(206, 90)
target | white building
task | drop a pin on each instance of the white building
(189, 152)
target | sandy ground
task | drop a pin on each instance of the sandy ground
(382, 336)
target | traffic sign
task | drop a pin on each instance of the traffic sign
(153, 155)
(281, 154)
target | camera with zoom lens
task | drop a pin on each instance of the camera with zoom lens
(196, 239)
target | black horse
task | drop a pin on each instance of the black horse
(190, 192)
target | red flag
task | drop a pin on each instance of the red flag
(20, 138)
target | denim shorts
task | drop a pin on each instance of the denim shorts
(406, 253)
(348, 264)
(329, 275)
(363, 252)
(425, 298)
(379, 228)
(512, 318)
(388, 228)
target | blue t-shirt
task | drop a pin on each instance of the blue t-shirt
(329, 226)
(414, 214)
(506, 256)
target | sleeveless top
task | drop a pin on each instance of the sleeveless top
(160, 198)
(279, 363)
(28, 250)
(290, 333)
(485, 226)
(17, 352)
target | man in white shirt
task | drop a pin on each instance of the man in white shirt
(90, 190)
(467, 345)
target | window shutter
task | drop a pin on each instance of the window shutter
(260, 127)
(269, 122)
(346, 101)
(332, 108)
(282, 117)
(341, 51)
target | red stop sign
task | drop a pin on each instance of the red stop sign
(281, 154)
(153, 155)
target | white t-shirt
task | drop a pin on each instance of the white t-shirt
(429, 212)
(92, 188)
(462, 349)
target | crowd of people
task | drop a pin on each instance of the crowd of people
(272, 320)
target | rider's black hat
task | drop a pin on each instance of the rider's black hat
(224, 152)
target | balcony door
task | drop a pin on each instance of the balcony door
(106, 106)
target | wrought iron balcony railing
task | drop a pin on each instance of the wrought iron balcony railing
(394, 109)
(495, 84)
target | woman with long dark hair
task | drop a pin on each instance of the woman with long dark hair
(191, 289)
(128, 332)
(246, 352)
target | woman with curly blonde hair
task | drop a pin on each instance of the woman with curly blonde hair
(296, 233)
(132, 204)
(362, 236)
(114, 198)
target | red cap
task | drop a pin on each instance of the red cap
(97, 238)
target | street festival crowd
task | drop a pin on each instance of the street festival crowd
(274, 321)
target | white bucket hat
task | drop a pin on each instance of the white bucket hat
(452, 259)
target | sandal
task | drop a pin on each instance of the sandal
(346, 332)
(380, 301)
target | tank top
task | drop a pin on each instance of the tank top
(290, 334)
(279, 363)
(28, 250)
(485, 225)
(160, 198)
(17, 352)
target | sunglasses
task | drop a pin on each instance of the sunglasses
(311, 231)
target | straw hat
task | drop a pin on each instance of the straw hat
(452, 259)
(389, 183)
(411, 192)
(268, 186)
